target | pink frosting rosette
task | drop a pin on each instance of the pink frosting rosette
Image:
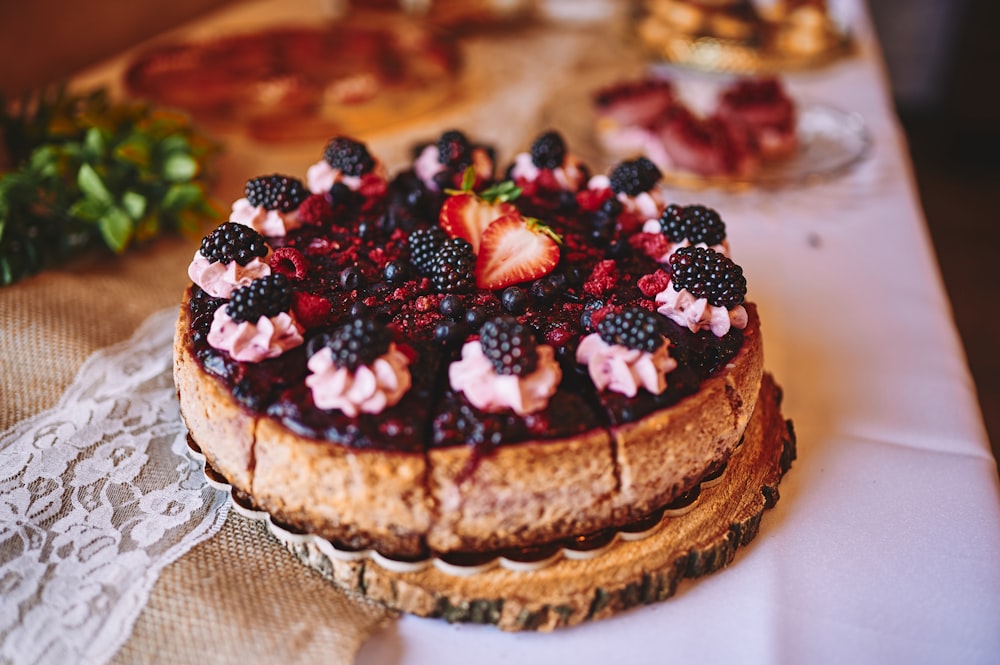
(569, 175)
(427, 165)
(266, 222)
(475, 377)
(251, 342)
(220, 279)
(653, 226)
(320, 177)
(623, 370)
(368, 389)
(646, 205)
(696, 314)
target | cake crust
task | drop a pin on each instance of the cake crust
(443, 500)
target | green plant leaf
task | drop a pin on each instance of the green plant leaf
(116, 229)
(95, 145)
(134, 204)
(91, 184)
(135, 149)
(180, 167)
(89, 209)
(181, 196)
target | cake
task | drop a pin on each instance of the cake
(751, 124)
(445, 364)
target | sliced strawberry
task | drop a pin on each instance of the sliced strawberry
(515, 249)
(466, 216)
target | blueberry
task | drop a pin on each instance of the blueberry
(350, 278)
(341, 194)
(475, 317)
(514, 300)
(451, 306)
(449, 332)
(394, 272)
(543, 291)
(359, 310)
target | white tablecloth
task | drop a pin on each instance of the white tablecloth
(885, 545)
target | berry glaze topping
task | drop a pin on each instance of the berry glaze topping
(420, 283)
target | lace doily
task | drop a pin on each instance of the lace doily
(96, 498)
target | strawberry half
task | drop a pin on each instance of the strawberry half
(515, 249)
(466, 216)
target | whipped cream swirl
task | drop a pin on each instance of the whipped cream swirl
(475, 376)
(685, 309)
(220, 279)
(265, 222)
(252, 342)
(623, 370)
(366, 389)
(569, 175)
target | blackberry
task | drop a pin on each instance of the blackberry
(348, 156)
(265, 296)
(358, 342)
(454, 150)
(424, 247)
(276, 192)
(634, 177)
(454, 267)
(548, 151)
(633, 327)
(695, 223)
(233, 242)
(510, 346)
(708, 274)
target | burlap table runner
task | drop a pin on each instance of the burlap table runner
(236, 598)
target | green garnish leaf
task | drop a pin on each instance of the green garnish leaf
(501, 192)
(538, 226)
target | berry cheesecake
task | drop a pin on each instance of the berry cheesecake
(444, 363)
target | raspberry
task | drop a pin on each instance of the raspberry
(454, 267)
(634, 177)
(289, 262)
(233, 242)
(265, 296)
(548, 151)
(310, 310)
(316, 209)
(424, 246)
(602, 278)
(358, 342)
(653, 283)
(708, 274)
(634, 327)
(454, 150)
(695, 223)
(276, 192)
(510, 346)
(348, 156)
